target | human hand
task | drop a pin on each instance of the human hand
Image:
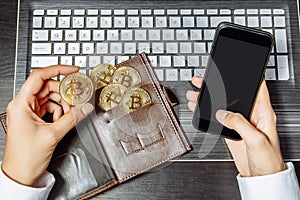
(30, 141)
(259, 151)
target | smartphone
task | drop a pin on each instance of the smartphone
(235, 69)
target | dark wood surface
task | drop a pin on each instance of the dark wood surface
(180, 180)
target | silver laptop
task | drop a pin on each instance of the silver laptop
(177, 37)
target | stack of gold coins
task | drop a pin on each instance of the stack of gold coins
(119, 87)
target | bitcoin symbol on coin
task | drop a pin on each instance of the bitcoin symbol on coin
(76, 88)
(134, 99)
(102, 74)
(111, 96)
(127, 76)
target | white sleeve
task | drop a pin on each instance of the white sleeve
(278, 186)
(11, 190)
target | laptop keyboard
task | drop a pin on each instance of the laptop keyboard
(178, 41)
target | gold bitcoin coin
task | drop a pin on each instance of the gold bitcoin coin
(135, 98)
(102, 74)
(111, 96)
(127, 76)
(76, 88)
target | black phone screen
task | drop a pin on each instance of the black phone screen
(237, 65)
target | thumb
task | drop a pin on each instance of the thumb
(237, 122)
(71, 118)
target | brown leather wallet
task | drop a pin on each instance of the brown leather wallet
(111, 147)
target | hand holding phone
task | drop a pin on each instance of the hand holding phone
(234, 72)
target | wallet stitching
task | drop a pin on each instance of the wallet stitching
(170, 121)
(161, 99)
(3, 121)
(167, 107)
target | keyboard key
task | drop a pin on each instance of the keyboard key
(199, 47)
(59, 48)
(185, 11)
(132, 12)
(52, 12)
(40, 35)
(126, 35)
(79, 12)
(122, 58)
(78, 22)
(165, 61)
(188, 22)
(271, 61)
(92, 22)
(240, 20)
(209, 34)
(41, 48)
(198, 11)
(84, 35)
(196, 34)
(105, 12)
(43, 61)
(80, 61)
(252, 11)
(102, 48)
(56, 35)
(154, 35)
(278, 12)
(94, 61)
(283, 67)
(98, 35)
(159, 74)
(193, 61)
(270, 74)
(160, 22)
(146, 12)
(172, 12)
(112, 35)
(214, 21)
(265, 11)
(38, 12)
(158, 48)
(140, 35)
(73, 48)
(202, 21)
(88, 48)
(133, 22)
(109, 60)
(93, 12)
(144, 47)
(280, 39)
(212, 11)
(116, 48)
(168, 34)
(171, 74)
(70, 35)
(179, 61)
(64, 22)
(279, 21)
(225, 12)
(185, 47)
(147, 22)
(182, 34)
(50, 22)
(153, 60)
(119, 22)
(105, 22)
(204, 60)
(159, 12)
(185, 74)
(130, 48)
(172, 48)
(37, 22)
(266, 21)
(175, 22)
(119, 12)
(66, 60)
(66, 12)
(239, 11)
(253, 22)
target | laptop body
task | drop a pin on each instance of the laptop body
(285, 93)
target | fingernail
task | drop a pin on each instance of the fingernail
(87, 108)
(220, 115)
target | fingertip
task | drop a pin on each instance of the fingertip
(197, 81)
(220, 115)
(87, 108)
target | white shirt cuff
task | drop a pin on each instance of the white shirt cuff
(281, 185)
(11, 190)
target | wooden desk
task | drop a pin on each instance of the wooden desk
(180, 180)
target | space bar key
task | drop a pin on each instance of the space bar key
(43, 61)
